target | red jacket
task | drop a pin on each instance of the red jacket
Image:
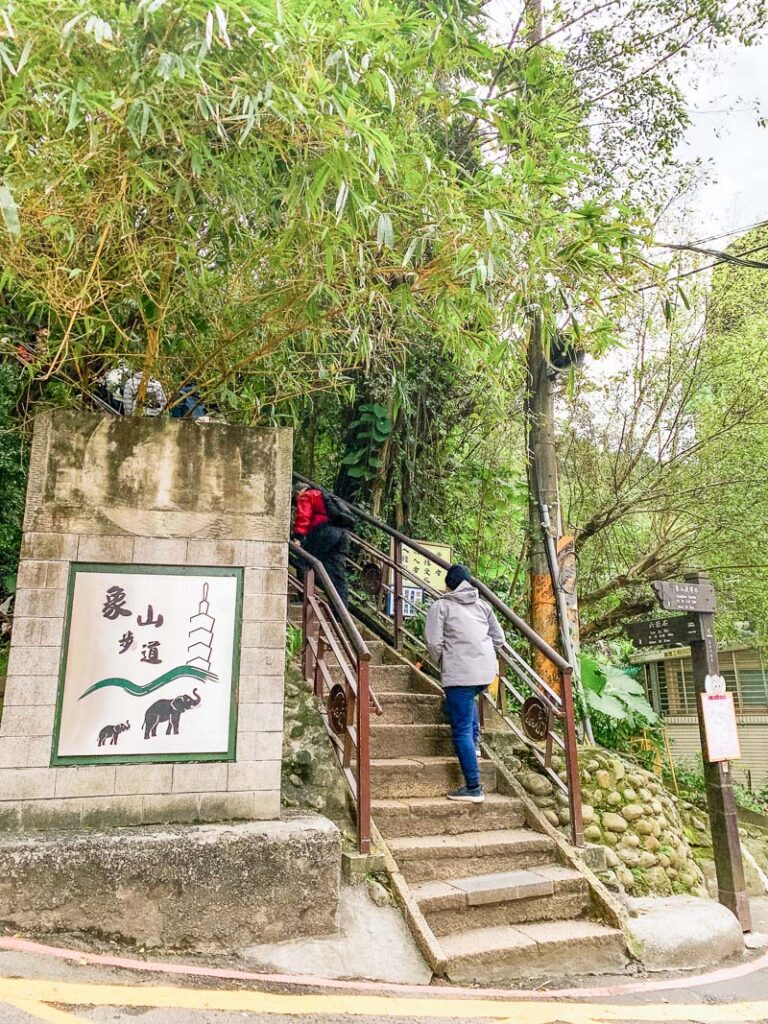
(310, 512)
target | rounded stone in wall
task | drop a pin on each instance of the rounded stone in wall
(632, 811)
(630, 840)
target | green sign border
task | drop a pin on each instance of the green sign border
(158, 570)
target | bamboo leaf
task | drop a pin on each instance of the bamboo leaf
(222, 21)
(385, 235)
(341, 199)
(390, 88)
(10, 212)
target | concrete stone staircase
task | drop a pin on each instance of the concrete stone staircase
(497, 903)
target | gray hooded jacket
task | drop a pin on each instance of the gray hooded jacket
(462, 635)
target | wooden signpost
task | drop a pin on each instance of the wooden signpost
(668, 632)
(717, 728)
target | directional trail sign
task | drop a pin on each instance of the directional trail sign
(717, 726)
(667, 632)
(684, 597)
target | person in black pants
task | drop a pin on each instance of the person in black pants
(330, 545)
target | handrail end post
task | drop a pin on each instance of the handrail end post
(363, 757)
(572, 759)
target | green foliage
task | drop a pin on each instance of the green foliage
(689, 776)
(293, 640)
(752, 799)
(299, 189)
(13, 474)
(691, 782)
(370, 431)
(617, 705)
(664, 463)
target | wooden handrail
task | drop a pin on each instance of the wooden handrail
(559, 706)
(327, 626)
(520, 625)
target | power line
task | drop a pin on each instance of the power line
(725, 234)
(722, 257)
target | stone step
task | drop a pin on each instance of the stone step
(429, 816)
(377, 649)
(398, 777)
(412, 708)
(440, 858)
(385, 678)
(546, 893)
(407, 740)
(550, 949)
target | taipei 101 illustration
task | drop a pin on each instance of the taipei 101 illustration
(200, 649)
(197, 666)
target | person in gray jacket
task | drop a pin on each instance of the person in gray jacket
(462, 635)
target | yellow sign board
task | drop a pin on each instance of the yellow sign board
(426, 571)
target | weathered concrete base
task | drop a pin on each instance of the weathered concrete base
(204, 887)
(683, 932)
(356, 867)
(373, 943)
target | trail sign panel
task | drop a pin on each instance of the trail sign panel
(720, 727)
(426, 571)
(149, 665)
(668, 632)
(685, 597)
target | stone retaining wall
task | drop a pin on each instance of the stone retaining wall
(629, 811)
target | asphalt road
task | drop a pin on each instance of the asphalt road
(37, 988)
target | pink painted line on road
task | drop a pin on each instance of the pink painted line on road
(723, 974)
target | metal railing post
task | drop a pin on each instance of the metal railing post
(363, 758)
(398, 595)
(307, 615)
(572, 760)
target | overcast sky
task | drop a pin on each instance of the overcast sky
(725, 134)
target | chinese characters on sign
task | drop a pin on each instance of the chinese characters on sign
(144, 649)
(425, 571)
(666, 632)
(684, 597)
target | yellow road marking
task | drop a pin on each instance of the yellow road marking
(28, 994)
(49, 1014)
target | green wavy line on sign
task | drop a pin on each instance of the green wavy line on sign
(180, 672)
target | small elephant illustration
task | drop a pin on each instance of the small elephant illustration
(169, 711)
(111, 733)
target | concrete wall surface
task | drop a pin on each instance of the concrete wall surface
(147, 491)
(206, 887)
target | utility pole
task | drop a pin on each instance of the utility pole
(541, 458)
(542, 495)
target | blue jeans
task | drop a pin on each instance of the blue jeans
(461, 709)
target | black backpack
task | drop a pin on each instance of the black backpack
(339, 513)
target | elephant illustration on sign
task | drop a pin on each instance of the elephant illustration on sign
(169, 711)
(112, 732)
